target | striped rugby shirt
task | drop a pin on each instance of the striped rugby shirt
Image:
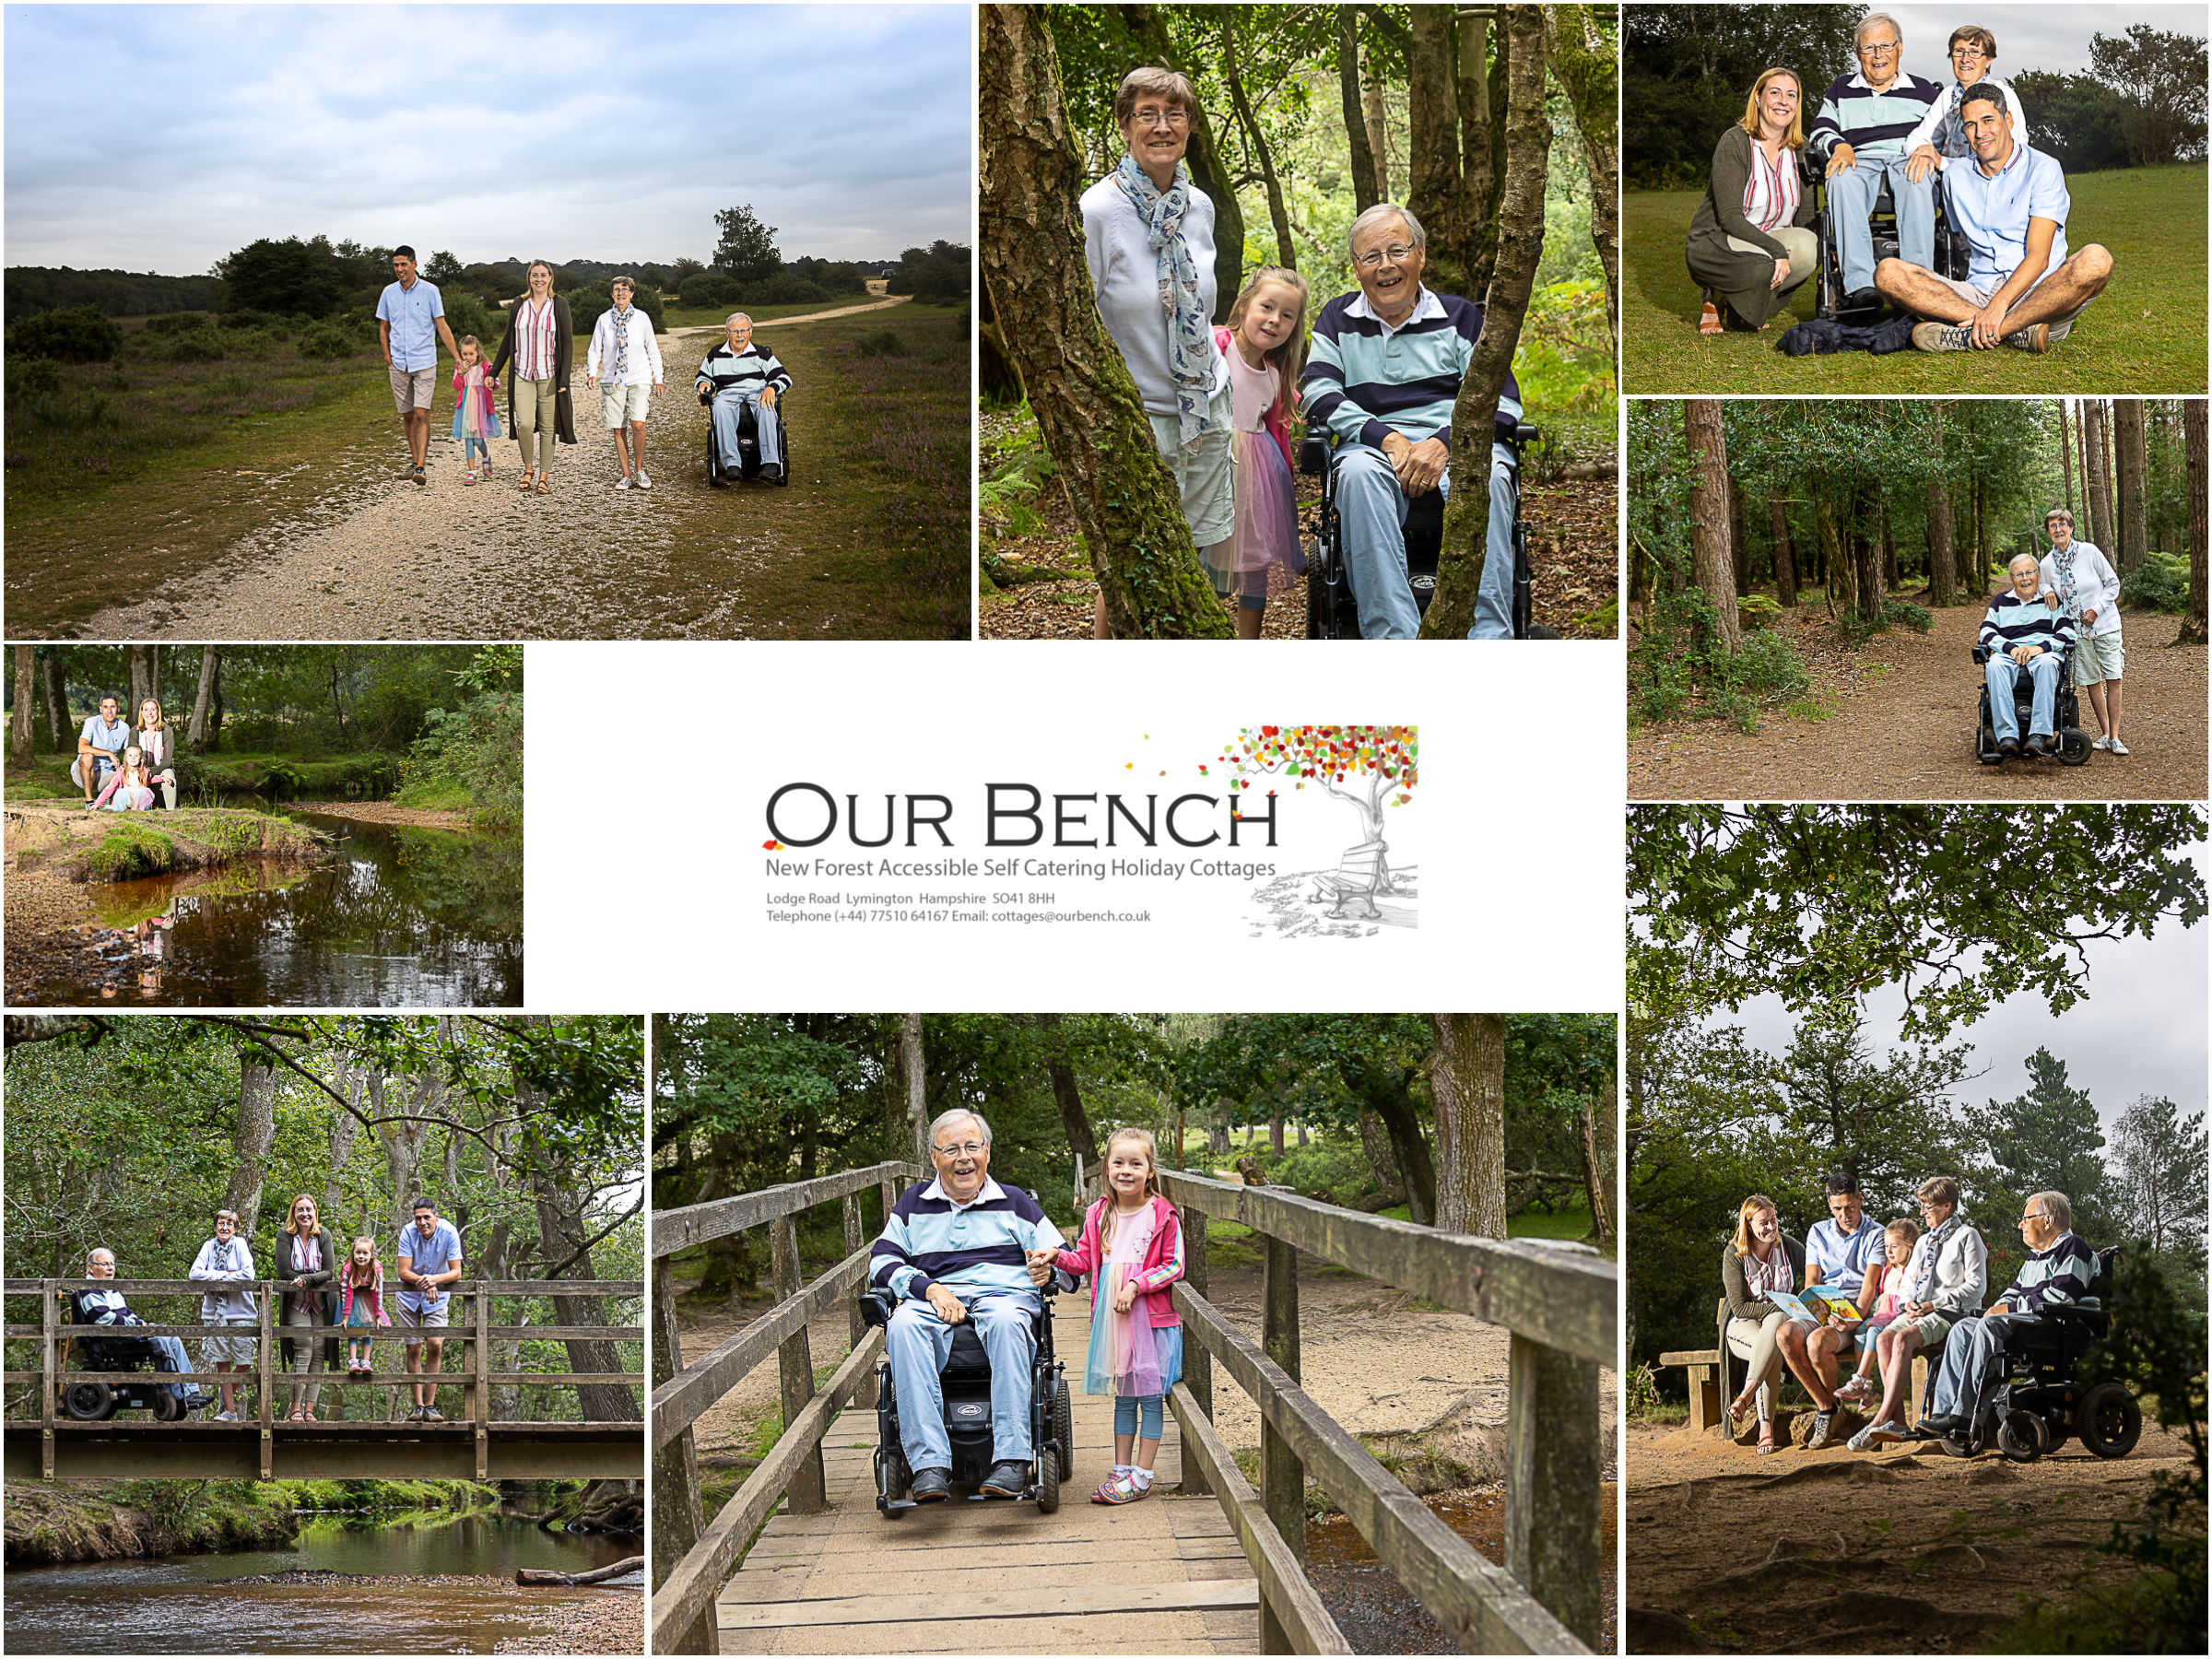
(2011, 622)
(747, 372)
(2058, 1274)
(1365, 380)
(983, 1246)
(1873, 124)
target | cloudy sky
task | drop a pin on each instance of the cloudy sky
(2141, 1029)
(2032, 37)
(162, 137)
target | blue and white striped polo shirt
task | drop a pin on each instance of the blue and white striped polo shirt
(1365, 379)
(1873, 124)
(929, 1240)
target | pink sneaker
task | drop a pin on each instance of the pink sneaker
(1114, 1488)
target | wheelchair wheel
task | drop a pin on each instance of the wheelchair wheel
(1064, 1430)
(1048, 1485)
(88, 1402)
(2108, 1421)
(891, 1482)
(166, 1409)
(2022, 1437)
(2074, 748)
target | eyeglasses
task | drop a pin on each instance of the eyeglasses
(1161, 118)
(2035, 1216)
(1966, 52)
(1397, 254)
(1880, 49)
(965, 1149)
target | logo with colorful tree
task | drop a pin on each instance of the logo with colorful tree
(1367, 767)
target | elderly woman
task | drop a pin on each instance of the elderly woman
(1758, 1259)
(308, 1259)
(1944, 1279)
(736, 374)
(226, 1263)
(1148, 239)
(1748, 248)
(542, 343)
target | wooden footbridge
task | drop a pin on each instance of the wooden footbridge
(1208, 1564)
(56, 1444)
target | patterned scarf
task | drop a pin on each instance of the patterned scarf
(1923, 1281)
(1190, 331)
(2061, 559)
(621, 373)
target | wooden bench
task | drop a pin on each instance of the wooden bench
(1716, 1377)
(1704, 1366)
(1361, 872)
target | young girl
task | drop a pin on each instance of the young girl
(1132, 1245)
(1266, 345)
(476, 422)
(361, 1307)
(1884, 1293)
(130, 785)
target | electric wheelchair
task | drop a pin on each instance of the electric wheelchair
(2065, 715)
(723, 470)
(966, 1385)
(1951, 251)
(2042, 1398)
(1333, 609)
(112, 1348)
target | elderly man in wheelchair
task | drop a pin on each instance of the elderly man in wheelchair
(2021, 636)
(741, 382)
(2039, 1328)
(954, 1252)
(110, 1343)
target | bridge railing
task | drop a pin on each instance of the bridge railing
(1560, 1303)
(690, 1558)
(475, 1335)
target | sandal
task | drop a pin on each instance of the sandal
(1766, 1447)
(1736, 1412)
(1709, 317)
(524, 488)
(544, 485)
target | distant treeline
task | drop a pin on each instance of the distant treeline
(35, 289)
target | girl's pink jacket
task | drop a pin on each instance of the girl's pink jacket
(1278, 428)
(376, 1299)
(1162, 1263)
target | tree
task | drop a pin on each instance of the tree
(445, 267)
(2096, 427)
(1387, 758)
(1943, 575)
(210, 666)
(2199, 477)
(1367, 189)
(20, 727)
(1582, 52)
(2047, 1139)
(291, 278)
(1878, 1118)
(1067, 1094)
(746, 248)
(1465, 547)
(2131, 462)
(1713, 566)
(2158, 1178)
(2159, 78)
(1785, 556)
(1124, 502)
(1467, 1092)
(1149, 30)
(1255, 139)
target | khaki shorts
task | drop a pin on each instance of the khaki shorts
(429, 1319)
(1978, 297)
(618, 406)
(1933, 1328)
(228, 1349)
(411, 387)
(1205, 475)
(2097, 658)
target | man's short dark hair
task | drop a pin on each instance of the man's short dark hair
(1983, 91)
(1843, 1183)
(402, 251)
(422, 1203)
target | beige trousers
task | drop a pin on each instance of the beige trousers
(533, 402)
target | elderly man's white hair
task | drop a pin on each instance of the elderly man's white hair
(738, 317)
(937, 1128)
(1859, 34)
(98, 1250)
(2056, 1206)
(1377, 214)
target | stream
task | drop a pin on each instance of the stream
(177, 1604)
(402, 917)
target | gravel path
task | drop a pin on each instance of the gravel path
(373, 555)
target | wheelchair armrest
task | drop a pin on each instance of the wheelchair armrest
(875, 1307)
(1981, 656)
(1313, 455)
(1525, 433)
(706, 396)
(1061, 1282)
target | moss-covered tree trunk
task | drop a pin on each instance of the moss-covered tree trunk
(1582, 61)
(20, 727)
(1124, 498)
(2193, 443)
(1208, 171)
(1467, 1092)
(1712, 566)
(1434, 193)
(1366, 193)
(1519, 250)
(1476, 250)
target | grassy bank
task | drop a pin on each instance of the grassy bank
(107, 846)
(87, 1521)
(206, 777)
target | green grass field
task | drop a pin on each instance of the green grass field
(714, 317)
(2144, 335)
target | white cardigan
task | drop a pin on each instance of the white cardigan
(2096, 585)
(1961, 1272)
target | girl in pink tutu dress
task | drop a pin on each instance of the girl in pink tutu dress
(1131, 1247)
(129, 788)
(1266, 345)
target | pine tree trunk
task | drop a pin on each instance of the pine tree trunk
(2065, 452)
(1943, 569)
(2088, 521)
(1203, 157)
(57, 700)
(2192, 441)
(1713, 567)
(1125, 501)
(1866, 557)
(1785, 558)
(1285, 253)
(1467, 1084)
(1366, 190)
(140, 662)
(1739, 538)
(1890, 581)
(1475, 252)
(2131, 454)
(1519, 250)
(2100, 511)
(252, 1137)
(1378, 125)
(1583, 62)
(20, 727)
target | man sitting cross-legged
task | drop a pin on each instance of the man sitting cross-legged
(2022, 286)
(2023, 637)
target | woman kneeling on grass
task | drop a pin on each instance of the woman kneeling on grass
(1748, 248)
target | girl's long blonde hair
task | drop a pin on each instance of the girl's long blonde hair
(1752, 1206)
(1143, 1138)
(1289, 357)
(354, 1264)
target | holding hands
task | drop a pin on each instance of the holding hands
(1040, 1265)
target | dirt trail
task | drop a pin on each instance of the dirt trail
(364, 554)
(1901, 1550)
(1903, 728)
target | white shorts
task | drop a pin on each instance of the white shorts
(621, 404)
(2098, 658)
(1978, 297)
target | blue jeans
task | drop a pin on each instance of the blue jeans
(1371, 511)
(2042, 673)
(1973, 1358)
(724, 411)
(919, 1343)
(1850, 195)
(170, 1352)
(1126, 1416)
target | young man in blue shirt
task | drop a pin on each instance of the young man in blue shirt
(410, 321)
(429, 1260)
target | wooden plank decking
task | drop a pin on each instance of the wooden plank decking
(992, 1577)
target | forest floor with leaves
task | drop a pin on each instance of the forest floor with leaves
(2144, 335)
(334, 541)
(1895, 720)
(1573, 551)
(1904, 1550)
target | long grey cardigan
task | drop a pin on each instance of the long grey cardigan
(1742, 1304)
(1743, 279)
(564, 363)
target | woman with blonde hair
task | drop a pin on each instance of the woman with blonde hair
(306, 1260)
(158, 745)
(1748, 248)
(1757, 1259)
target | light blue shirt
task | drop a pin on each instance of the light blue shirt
(413, 314)
(433, 1254)
(1994, 213)
(102, 736)
(1842, 1258)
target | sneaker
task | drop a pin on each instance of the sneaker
(430, 1413)
(1858, 1388)
(1118, 1491)
(2100, 743)
(2036, 339)
(1881, 1434)
(471, 478)
(643, 482)
(2116, 747)
(1823, 1434)
(1863, 1439)
(419, 475)
(1943, 336)
(623, 482)
(413, 1417)
(226, 1416)
(772, 471)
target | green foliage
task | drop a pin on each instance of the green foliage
(2047, 1139)
(884, 342)
(586, 303)
(1010, 489)
(196, 345)
(78, 336)
(328, 340)
(704, 289)
(478, 744)
(1678, 665)
(938, 274)
(131, 848)
(745, 249)
(34, 289)
(291, 276)
(1332, 1166)
(2159, 583)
